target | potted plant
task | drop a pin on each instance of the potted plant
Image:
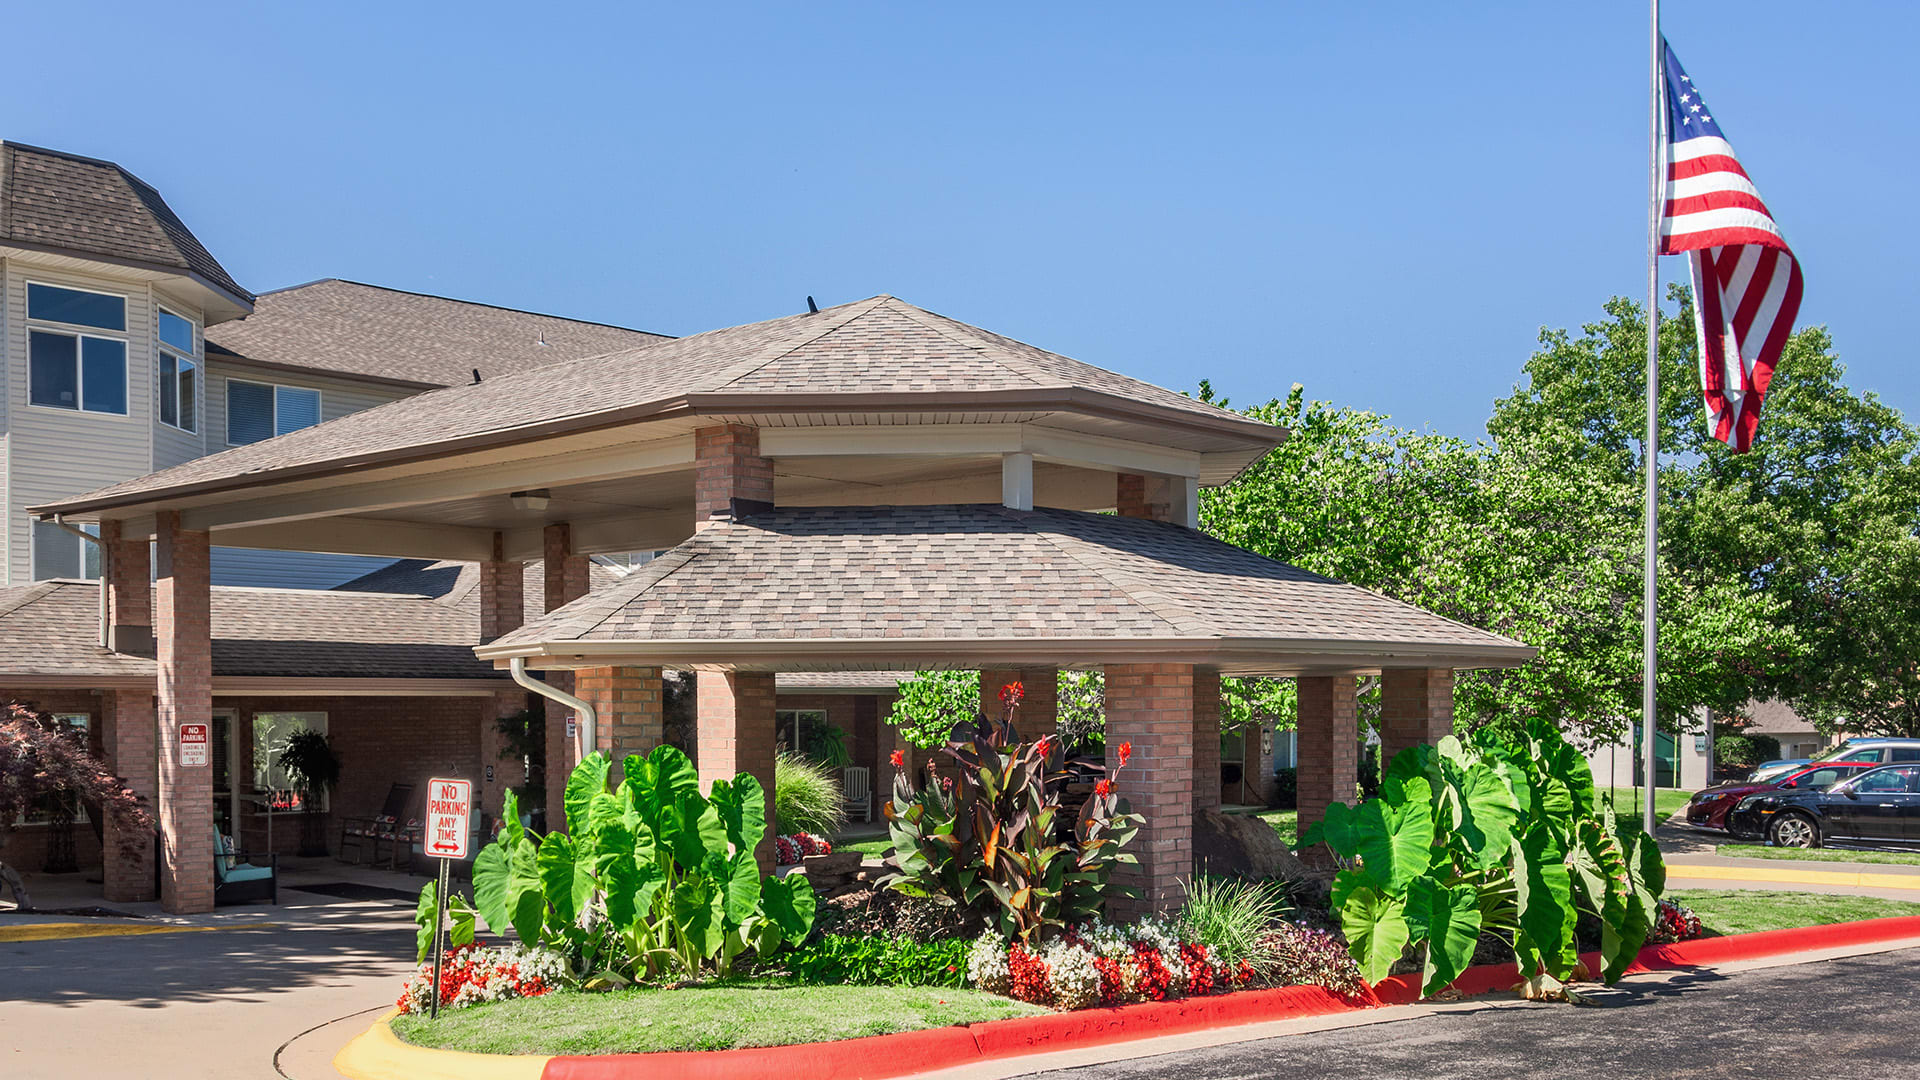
(309, 761)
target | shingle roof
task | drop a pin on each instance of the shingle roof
(350, 328)
(880, 345)
(82, 204)
(457, 584)
(972, 573)
(51, 628)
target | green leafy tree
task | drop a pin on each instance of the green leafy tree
(933, 703)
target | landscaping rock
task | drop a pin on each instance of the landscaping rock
(830, 873)
(1242, 844)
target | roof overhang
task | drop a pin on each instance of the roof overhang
(1229, 656)
(218, 303)
(271, 685)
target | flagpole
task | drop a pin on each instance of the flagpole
(1650, 633)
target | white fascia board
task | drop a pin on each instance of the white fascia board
(954, 440)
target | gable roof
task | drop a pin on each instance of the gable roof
(351, 328)
(880, 353)
(52, 199)
(869, 587)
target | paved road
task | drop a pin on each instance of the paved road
(1848, 1017)
(213, 1004)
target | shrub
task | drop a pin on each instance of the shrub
(806, 797)
(1293, 955)
(990, 843)
(1231, 915)
(1099, 963)
(471, 975)
(1737, 751)
(1286, 789)
(879, 961)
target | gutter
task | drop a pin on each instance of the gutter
(106, 638)
(582, 738)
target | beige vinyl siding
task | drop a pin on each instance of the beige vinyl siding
(338, 397)
(56, 453)
(171, 446)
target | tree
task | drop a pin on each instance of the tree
(41, 759)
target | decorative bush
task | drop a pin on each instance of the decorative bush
(990, 843)
(806, 797)
(1099, 963)
(879, 961)
(1675, 922)
(1489, 837)
(1293, 955)
(1745, 751)
(1231, 915)
(652, 878)
(471, 975)
(789, 850)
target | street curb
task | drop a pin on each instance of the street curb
(1863, 879)
(384, 1057)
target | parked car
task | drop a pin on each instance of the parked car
(1881, 805)
(1709, 808)
(1874, 751)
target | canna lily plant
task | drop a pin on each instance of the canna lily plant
(1489, 836)
(992, 838)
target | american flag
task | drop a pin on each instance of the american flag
(1746, 282)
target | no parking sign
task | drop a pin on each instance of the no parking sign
(449, 812)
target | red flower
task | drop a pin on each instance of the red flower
(1011, 694)
(899, 760)
(1104, 787)
(1044, 746)
(946, 783)
(1126, 751)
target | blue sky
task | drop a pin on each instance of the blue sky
(1382, 201)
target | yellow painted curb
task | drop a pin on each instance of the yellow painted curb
(378, 1054)
(58, 931)
(1784, 876)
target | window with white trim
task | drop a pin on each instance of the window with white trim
(179, 395)
(58, 553)
(257, 411)
(271, 732)
(70, 364)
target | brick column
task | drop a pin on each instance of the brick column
(503, 592)
(729, 475)
(1130, 498)
(566, 580)
(1260, 746)
(130, 743)
(1150, 706)
(507, 772)
(631, 704)
(1416, 706)
(1039, 712)
(1329, 745)
(183, 649)
(1206, 740)
(129, 584)
(735, 719)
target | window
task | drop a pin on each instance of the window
(72, 369)
(1821, 779)
(270, 734)
(179, 374)
(1906, 753)
(1888, 781)
(58, 553)
(257, 411)
(800, 731)
(1862, 755)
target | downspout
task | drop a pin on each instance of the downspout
(106, 639)
(583, 738)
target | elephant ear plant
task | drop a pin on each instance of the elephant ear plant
(652, 879)
(1489, 837)
(993, 841)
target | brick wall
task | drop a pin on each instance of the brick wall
(1416, 706)
(1132, 498)
(1206, 740)
(736, 735)
(1329, 745)
(503, 602)
(1039, 712)
(630, 705)
(1150, 706)
(183, 649)
(129, 584)
(728, 466)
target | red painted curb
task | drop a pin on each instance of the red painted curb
(882, 1056)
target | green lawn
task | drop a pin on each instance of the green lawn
(1826, 854)
(1666, 801)
(1744, 911)
(701, 1018)
(1284, 822)
(874, 846)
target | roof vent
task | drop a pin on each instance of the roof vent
(812, 308)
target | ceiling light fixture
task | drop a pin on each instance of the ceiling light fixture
(535, 500)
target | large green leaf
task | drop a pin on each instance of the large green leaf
(1421, 760)
(510, 828)
(1449, 920)
(742, 883)
(1544, 895)
(423, 913)
(526, 896)
(742, 806)
(1489, 815)
(1394, 833)
(630, 886)
(566, 877)
(650, 789)
(490, 882)
(1376, 928)
(789, 901)
(698, 916)
(589, 779)
(694, 830)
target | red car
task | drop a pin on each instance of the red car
(1709, 808)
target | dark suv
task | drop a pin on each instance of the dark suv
(1879, 806)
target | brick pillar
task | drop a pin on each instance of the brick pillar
(1206, 740)
(1151, 707)
(129, 585)
(507, 772)
(631, 704)
(735, 720)
(729, 475)
(503, 592)
(1416, 706)
(1039, 712)
(183, 647)
(1329, 745)
(1260, 747)
(1130, 498)
(130, 746)
(566, 581)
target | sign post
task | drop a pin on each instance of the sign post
(449, 813)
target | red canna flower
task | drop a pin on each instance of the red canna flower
(1104, 787)
(1126, 751)
(1011, 694)
(899, 760)
(1044, 746)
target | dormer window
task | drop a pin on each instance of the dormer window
(71, 365)
(179, 374)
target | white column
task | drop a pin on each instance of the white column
(1016, 481)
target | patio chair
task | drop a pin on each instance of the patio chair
(858, 788)
(364, 834)
(236, 880)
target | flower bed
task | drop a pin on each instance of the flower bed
(790, 848)
(474, 975)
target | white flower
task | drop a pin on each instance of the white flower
(987, 964)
